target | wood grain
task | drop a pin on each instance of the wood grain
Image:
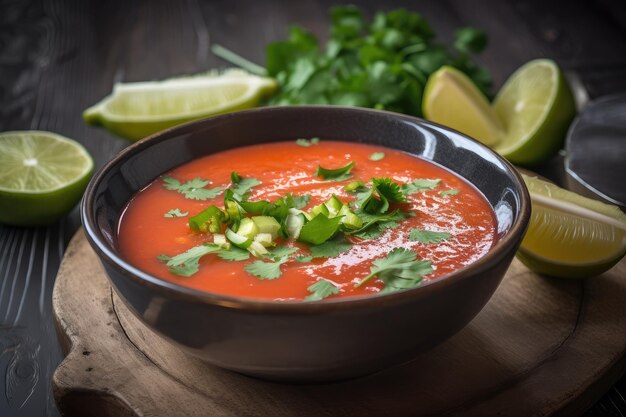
(540, 347)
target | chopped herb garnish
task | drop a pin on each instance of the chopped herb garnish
(307, 142)
(337, 174)
(234, 254)
(241, 186)
(355, 186)
(280, 252)
(331, 248)
(175, 213)
(382, 222)
(390, 189)
(319, 229)
(449, 192)
(187, 263)
(400, 270)
(427, 236)
(377, 156)
(303, 258)
(321, 289)
(193, 189)
(419, 185)
(301, 201)
(266, 270)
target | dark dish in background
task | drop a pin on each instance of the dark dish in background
(61, 56)
(320, 339)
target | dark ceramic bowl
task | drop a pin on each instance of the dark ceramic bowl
(298, 341)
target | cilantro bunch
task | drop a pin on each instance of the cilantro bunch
(381, 64)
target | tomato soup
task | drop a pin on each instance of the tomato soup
(435, 222)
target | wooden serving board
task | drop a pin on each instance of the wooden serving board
(540, 347)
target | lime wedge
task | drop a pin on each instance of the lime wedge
(452, 99)
(136, 110)
(569, 235)
(536, 107)
(42, 178)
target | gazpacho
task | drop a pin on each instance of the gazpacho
(306, 220)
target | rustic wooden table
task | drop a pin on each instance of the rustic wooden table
(59, 56)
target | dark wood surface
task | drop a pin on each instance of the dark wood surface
(58, 57)
(539, 347)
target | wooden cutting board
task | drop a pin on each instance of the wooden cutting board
(540, 347)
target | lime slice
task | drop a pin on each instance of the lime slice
(136, 110)
(452, 99)
(42, 178)
(536, 107)
(569, 235)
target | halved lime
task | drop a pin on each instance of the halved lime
(42, 178)
(452, 99)
(569, 235)
(136, 110)
(536, 107)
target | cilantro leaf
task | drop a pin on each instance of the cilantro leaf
(368, 202)
(400, 270)
(337, 174)
(175, 213)
(304, 258)
(319, 229)
(241, 186)
(321, 289)
(266, 270)
(419, 185)
(307, 142)
(280, 252)
(301, 201)
(377, 156)
(234, 254)
(188, 263)
(449, 192)
(390, 189)
(331, 248)
(470, 40)
(374, 225)
(193, 189)
(428, 236)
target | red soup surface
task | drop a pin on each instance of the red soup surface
(451, 206)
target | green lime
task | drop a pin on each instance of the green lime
(569, 235)
(536, 107)
(43, 176)
(452, 99)
(136, 110)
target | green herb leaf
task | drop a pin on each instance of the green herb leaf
(304, 258)
(234, 254)
(419, 185)
(193, 189)
(355, 186)
(321, 289)
(400, 270)
(331, 248)
(374, 225)
(175, 213)
(241, 188)
(377, 156)
(390, 189)
(266, 270)
(307, 142)
(428, 236)
(470, 40)
(319, 229)
(281, 252)
(449, 192)
(337, 174)
(187, 263)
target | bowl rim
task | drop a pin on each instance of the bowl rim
(173, 290)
